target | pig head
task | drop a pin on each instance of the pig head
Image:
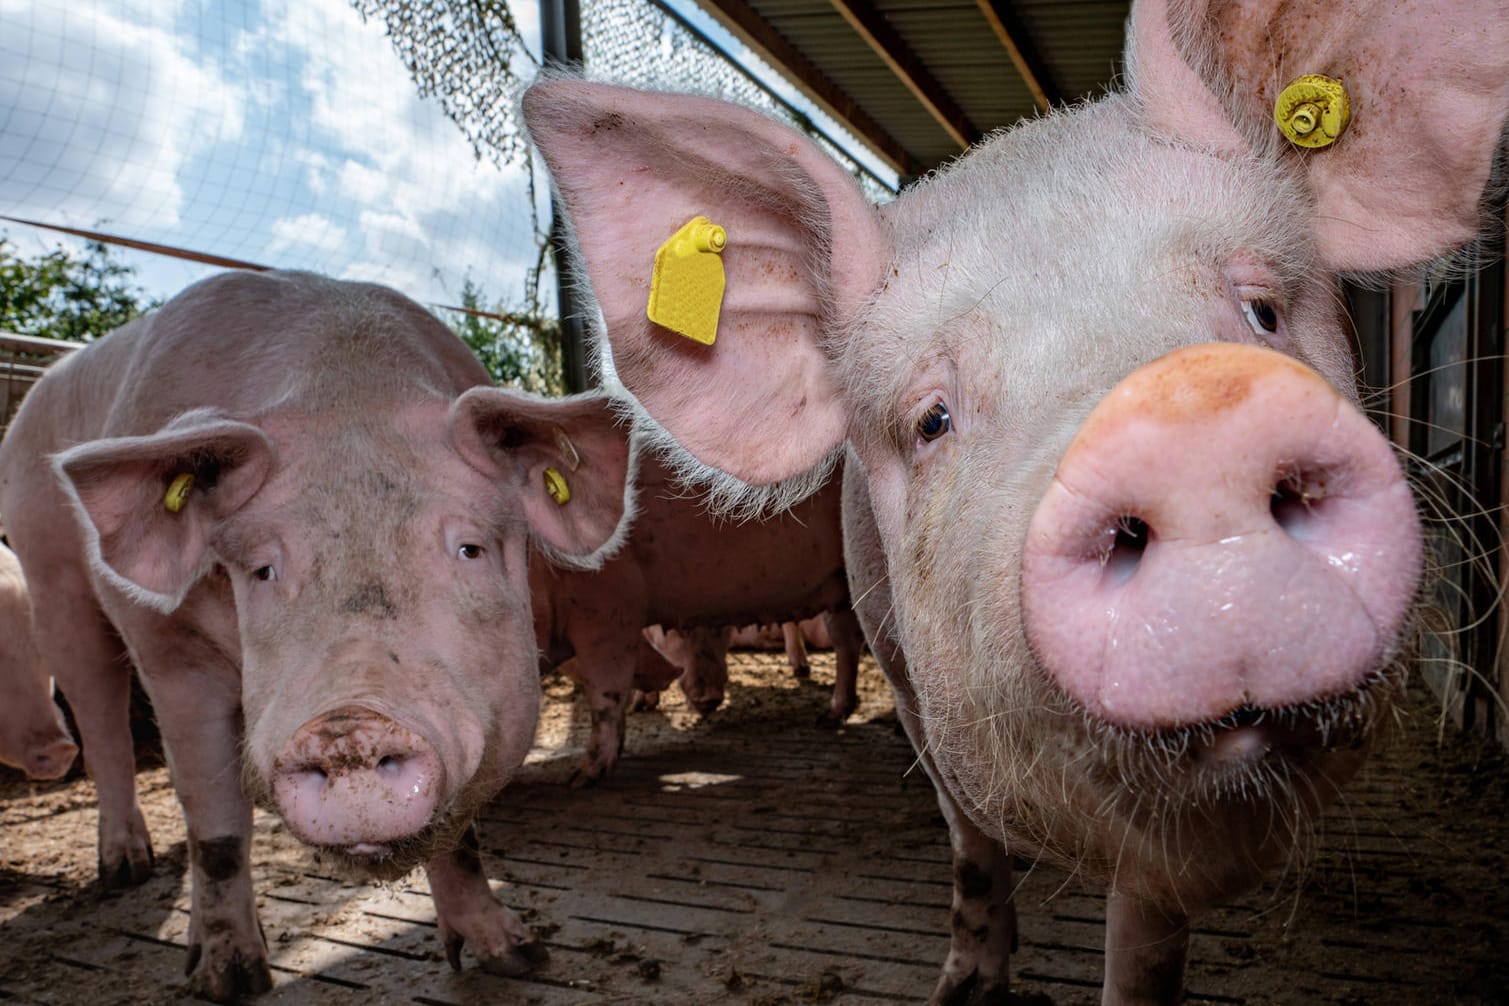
(1140, 571)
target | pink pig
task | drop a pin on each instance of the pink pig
(1139, 571)
(308, 518)
(33, 737)
(702, 655)
(682, 568)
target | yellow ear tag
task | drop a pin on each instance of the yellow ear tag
(686, 289)
(555, 485)
(178, 492)
(1313, 110)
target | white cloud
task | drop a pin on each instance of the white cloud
(105, 106)
(287, 131)
(308, 231)
(389, 235)
(365, 184)
(419, 193)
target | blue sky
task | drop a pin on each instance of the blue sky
(283, 132)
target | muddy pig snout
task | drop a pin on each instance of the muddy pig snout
(1224, 530)
(352, 777)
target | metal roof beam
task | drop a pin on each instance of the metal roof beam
(1024, 56)
(767, 43)
(872, 26)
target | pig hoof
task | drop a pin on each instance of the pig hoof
(831, 719)
(131, 870)
(974, 991)
(227, 981)
(586, 778)
(518, 961)
(515, 962)
(803, 671)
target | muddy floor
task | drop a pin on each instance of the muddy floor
(754, 859)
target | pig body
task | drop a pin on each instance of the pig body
(33, 736)
(702, 655)
(792, 637)
(307, 518)
(682, 568)
(1137, 568)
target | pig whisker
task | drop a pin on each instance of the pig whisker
(1371, 395)
(855, 602)
(1465, 669)
(1435, 428)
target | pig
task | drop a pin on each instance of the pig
(1142, 576)
(307, 515)
(33, 736)
(702, 654)
(793, 637)
(682, 568)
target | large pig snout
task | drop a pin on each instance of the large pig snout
(1224, 530)
(356, 779)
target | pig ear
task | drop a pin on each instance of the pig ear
(527, 443)
(120, 490)
(1428, 84)
(804, 249)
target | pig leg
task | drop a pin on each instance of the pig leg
(605, 665)
(197, 696)
(82, 653)
(983, 921)
(653, 674)
(470, 914)
(983, 933)
(1145, 952)
(848, 640)
(796, 649)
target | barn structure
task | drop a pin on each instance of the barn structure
(748, 858)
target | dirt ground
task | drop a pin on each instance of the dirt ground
(751, 858)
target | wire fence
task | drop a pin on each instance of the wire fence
(363, 139)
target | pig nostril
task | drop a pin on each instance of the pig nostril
(313, 773)
(1125, 554)
(1294, 506)
(390, 764)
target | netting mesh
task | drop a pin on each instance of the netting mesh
(293, 134)
(288, 134)
(640, 42)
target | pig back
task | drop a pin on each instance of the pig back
(246, 344)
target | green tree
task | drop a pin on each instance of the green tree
(64, 295)
(520, 348)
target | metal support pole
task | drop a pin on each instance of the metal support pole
(561, 28)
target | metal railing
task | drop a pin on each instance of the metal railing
(23, 360)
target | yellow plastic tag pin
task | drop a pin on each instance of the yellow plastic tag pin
(686, 288)
(178, 492)
(1313, 110)
(555, 485)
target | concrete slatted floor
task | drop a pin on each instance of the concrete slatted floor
(758, 860)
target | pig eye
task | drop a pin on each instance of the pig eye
(469, 552)
(265, 573)
(934, 422)
(1261, 315)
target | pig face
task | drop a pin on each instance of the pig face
(368, 577)
(1002, 349)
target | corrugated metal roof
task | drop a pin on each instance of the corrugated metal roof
(909, 77)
